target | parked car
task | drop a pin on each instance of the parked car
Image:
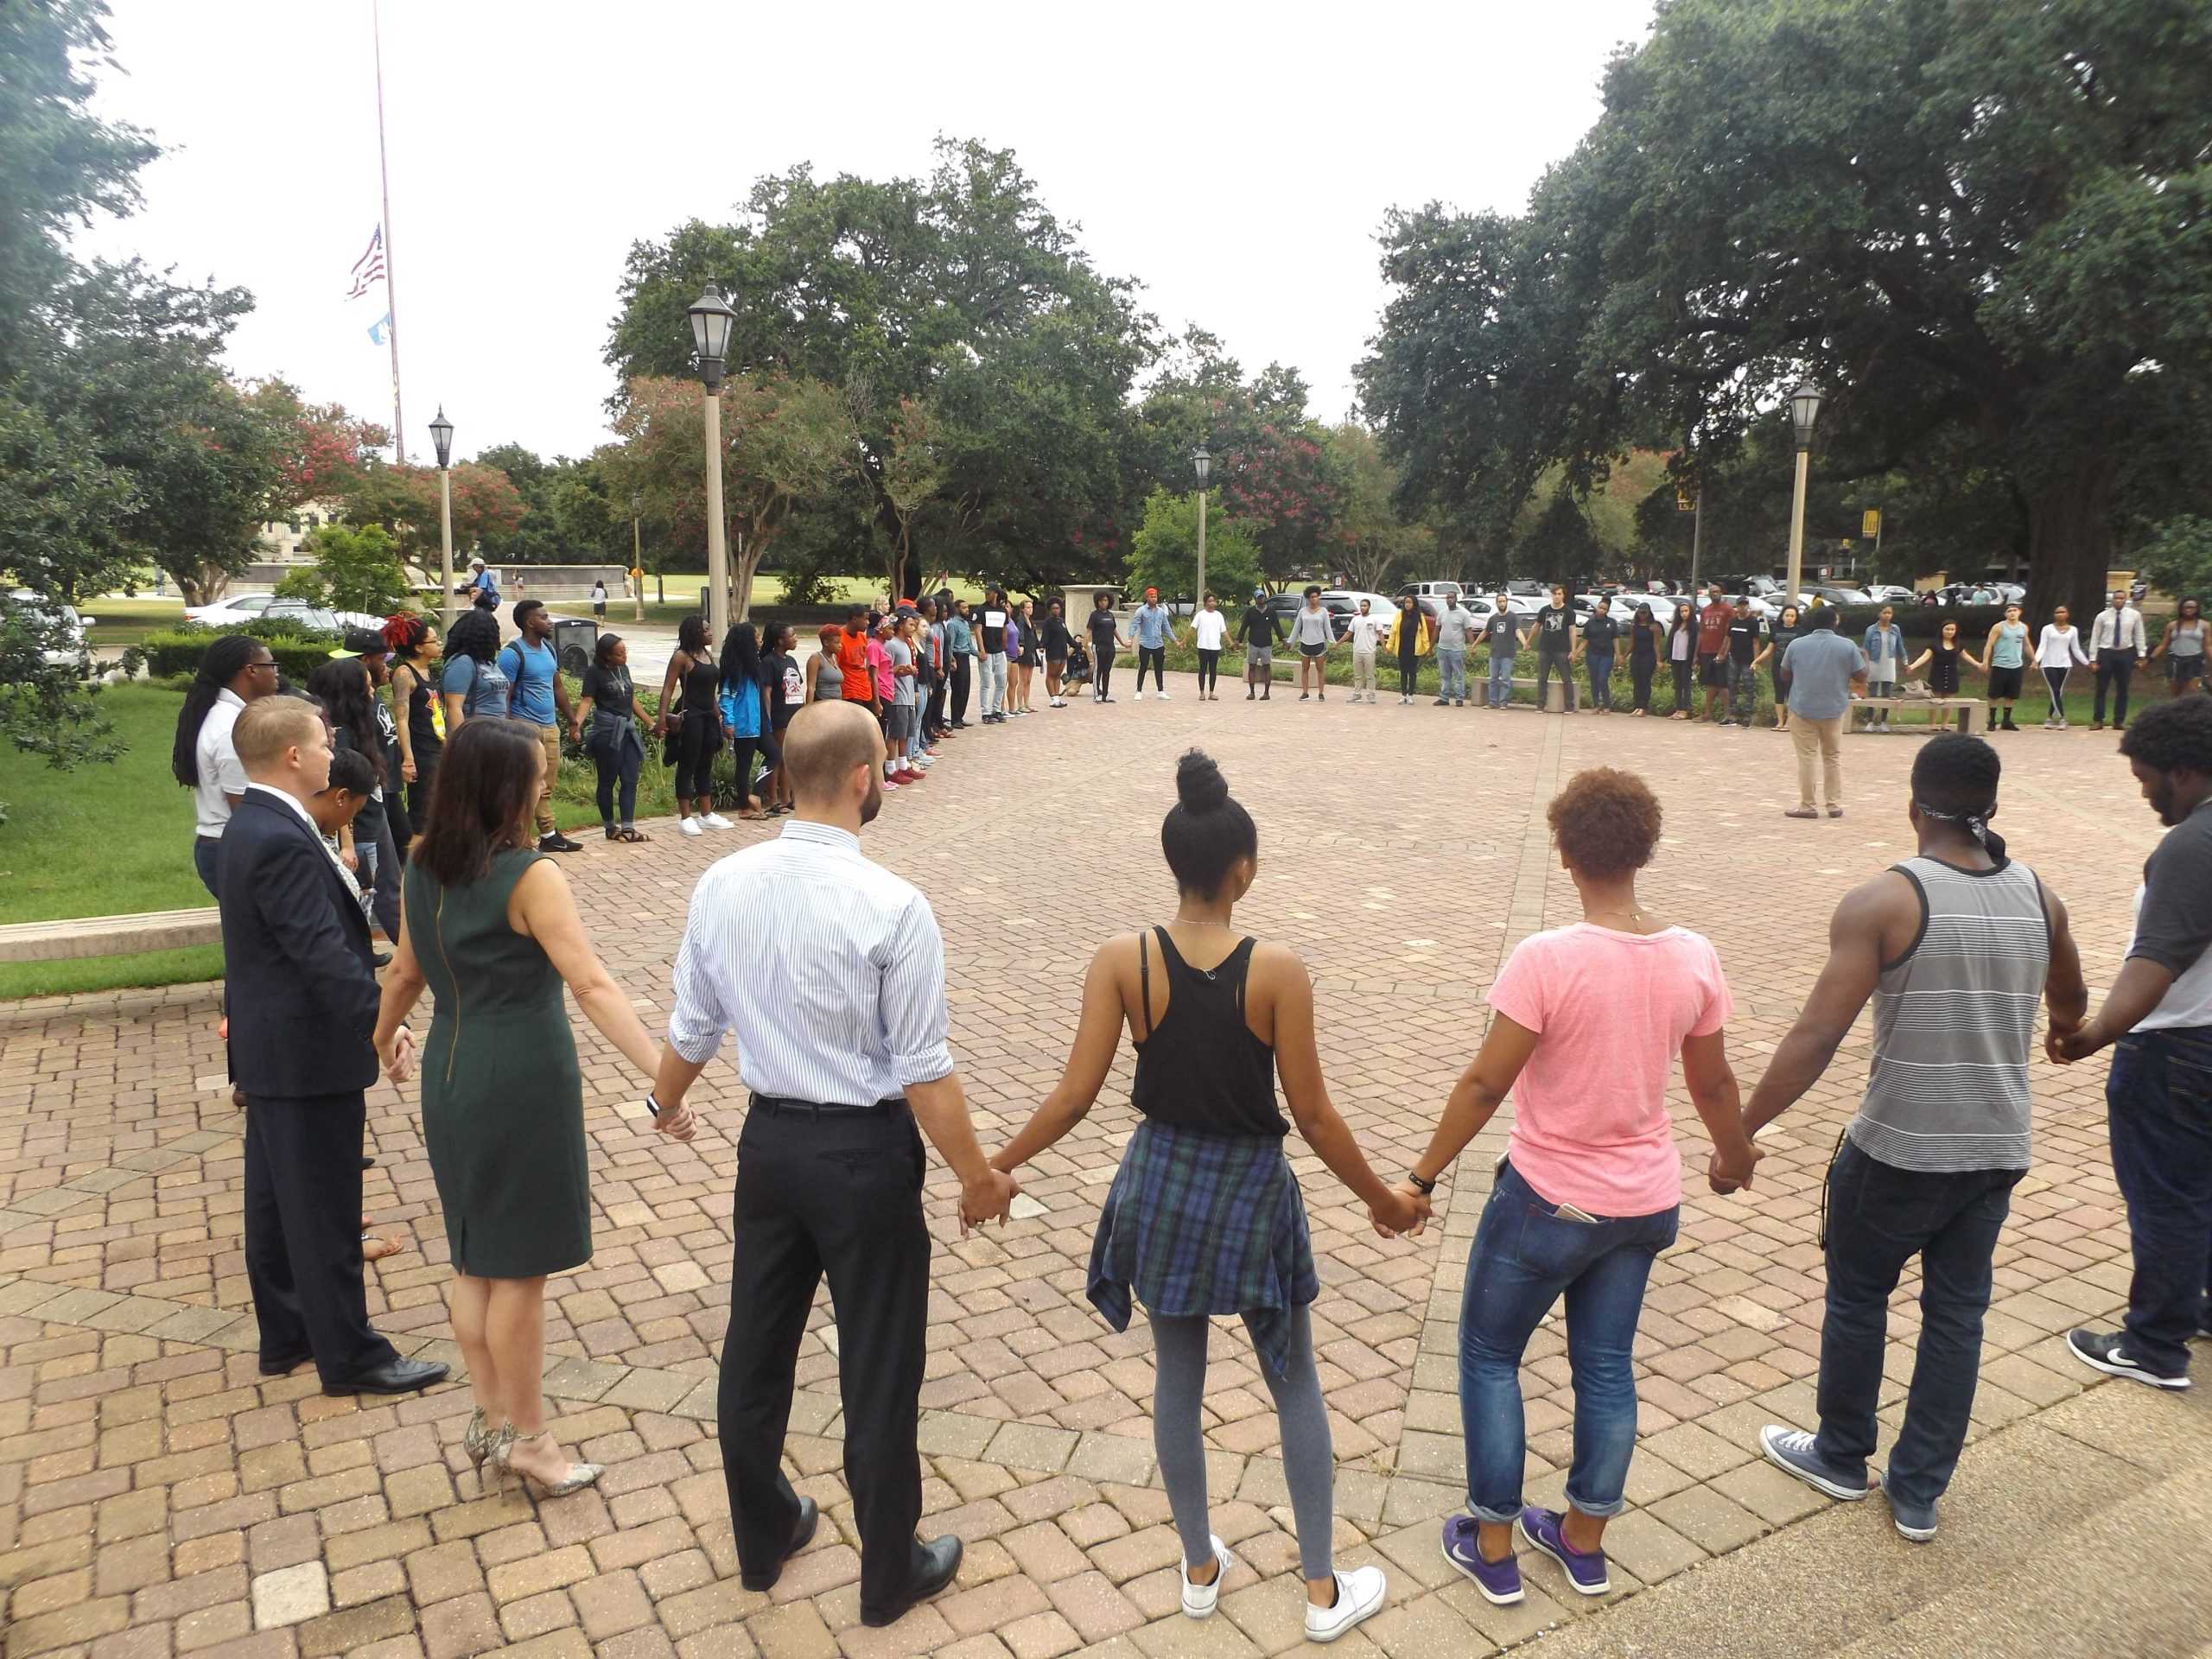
(241, 608)
(1891, 593)
(65, 641)
(1830, 594)
(1435, 591)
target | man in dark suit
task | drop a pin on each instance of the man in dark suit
(304, 1004)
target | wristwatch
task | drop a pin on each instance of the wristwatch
(1424, 1187)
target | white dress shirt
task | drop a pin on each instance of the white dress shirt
(217, 764)
(2118, 631)
(828, 968)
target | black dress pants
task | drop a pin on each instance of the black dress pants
(962, 677)
(2114, 669)
(303, 1232)
(839, 1194)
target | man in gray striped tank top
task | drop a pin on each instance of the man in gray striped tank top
(1955, 947)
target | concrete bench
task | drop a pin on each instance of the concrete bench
(1977, 710)
(110, 935)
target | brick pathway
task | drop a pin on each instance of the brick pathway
(157, 1496)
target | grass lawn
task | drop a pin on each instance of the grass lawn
(99, 841)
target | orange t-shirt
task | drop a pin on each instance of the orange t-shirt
(852, 663)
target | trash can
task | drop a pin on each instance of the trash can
(575, 638)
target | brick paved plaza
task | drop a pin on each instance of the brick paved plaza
(157, 1496)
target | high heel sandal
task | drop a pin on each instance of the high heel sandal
(579, 1475)
(476, 1441)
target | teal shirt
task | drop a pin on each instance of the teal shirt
(2012, 642)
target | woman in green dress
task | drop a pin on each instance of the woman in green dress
(489, 925)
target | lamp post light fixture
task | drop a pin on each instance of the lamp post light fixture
(442, 438)
(1202, 461)
(1804, 410)
(711, 322)
(637, 553)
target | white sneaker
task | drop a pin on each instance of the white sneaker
(691, 827)
(1163, 697)
(1199, 1600)
(1359, 1596)
(716, 821)
(1140, 696)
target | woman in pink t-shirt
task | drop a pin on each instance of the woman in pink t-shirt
(1587, 1023)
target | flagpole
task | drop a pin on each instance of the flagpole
(390, 287)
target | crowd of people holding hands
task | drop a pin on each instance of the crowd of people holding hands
(316, 816)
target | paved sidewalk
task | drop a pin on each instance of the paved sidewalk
(156, 1497)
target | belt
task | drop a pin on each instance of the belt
(778, 1105)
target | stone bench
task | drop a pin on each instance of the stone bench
(110, 935)
(1977, 710)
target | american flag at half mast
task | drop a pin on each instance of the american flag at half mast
(369, 268)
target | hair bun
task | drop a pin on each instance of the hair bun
(1199, 783)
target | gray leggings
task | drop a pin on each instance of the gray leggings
(1309, 1464)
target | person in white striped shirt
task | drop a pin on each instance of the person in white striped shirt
(1955, 947)
(830, 972)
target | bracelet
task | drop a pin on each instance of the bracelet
(1424, 1187)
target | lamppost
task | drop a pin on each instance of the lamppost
(441, 436)
(711, 320)
(1204, 462)
(1804, 407)
(637, 553)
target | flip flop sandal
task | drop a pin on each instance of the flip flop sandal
(376, 1250)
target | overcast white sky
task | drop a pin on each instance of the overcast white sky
(1235, 159)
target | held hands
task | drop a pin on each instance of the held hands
(407, 770)
(397, 1056)
(987, 1199)
(2066, 1044)
(1406, 1210)
(676, 1123)
(1726, 1176)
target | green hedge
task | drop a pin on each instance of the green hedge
(176, 654)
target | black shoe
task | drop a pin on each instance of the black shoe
(287, 1365)
(380, 959)
(959, 725)
(2107, 1352)
(935, 1564)
(367, 1162)
(558, 844)
(802, 1535)
(1441, 703)
(393, 1376)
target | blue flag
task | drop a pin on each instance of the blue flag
(378, 327)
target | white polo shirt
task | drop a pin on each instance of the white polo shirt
(217, 765)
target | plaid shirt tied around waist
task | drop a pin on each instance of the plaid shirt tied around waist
(1200, 1224)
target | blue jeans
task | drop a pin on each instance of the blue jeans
(208, 860)
(2158, 1099)
(1601, 679)
(1880, 1218)
(1501, 678)
(1452, 665)
(1524, 1257)
(993, 678)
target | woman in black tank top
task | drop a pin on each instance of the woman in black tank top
(1205, 1217)
(696, 727)
(416, 649)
